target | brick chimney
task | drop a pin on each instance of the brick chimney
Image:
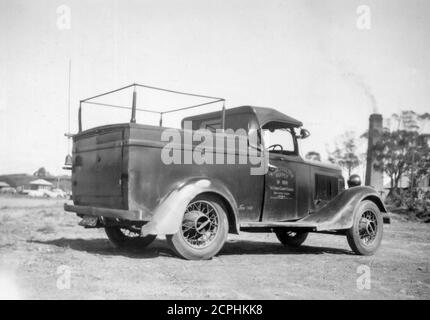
(374, 178)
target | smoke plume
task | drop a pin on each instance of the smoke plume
(367, 90)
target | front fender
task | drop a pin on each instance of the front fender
(167, 217)
(338, 214)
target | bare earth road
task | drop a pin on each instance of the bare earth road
(37, 237)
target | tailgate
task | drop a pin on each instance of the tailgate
(98, 167)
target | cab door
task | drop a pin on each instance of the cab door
(286, 194)
(280, 202)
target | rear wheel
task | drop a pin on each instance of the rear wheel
(291, 238)
(365, 236)
(128, 237)
(203, 231)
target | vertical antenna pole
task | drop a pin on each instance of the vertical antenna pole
(223, 115)
(80, 117)
(133, 106)
(68, 103)
(68, 107)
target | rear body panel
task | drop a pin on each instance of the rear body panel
(120, 167)
(98, 167)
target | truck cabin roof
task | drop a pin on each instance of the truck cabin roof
(240, 117)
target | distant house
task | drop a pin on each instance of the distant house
(4, 185)
(21, 181)
(17, 180)
(6, 188)
(40, 184)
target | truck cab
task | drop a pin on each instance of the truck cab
(292, 187)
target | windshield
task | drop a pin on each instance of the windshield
(279, 140)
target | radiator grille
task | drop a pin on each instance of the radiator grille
(326, 187)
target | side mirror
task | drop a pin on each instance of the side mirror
(304, 133)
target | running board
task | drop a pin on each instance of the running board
(270, 226)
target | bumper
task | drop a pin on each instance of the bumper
(106, 212)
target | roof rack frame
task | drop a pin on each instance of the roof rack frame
(134, 107)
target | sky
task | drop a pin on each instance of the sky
(312, 60)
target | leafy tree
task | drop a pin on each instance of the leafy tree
(394, 153)
(41, 173)
(345, 153)
(313, 155)
(401, 151)
(421, 164)
(405, 120)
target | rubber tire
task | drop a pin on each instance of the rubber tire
(289, 241)
(352, 234)
(120, 240)
(181, 247)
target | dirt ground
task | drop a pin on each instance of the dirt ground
(41, 245)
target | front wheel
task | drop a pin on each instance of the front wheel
(128, 237)
(203, 231)
(291, 238)
(365, 235)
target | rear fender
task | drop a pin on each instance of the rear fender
(338, 214)
(167, 217)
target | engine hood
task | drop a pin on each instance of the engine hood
(324, 165)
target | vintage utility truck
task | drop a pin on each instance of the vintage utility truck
(122, 182)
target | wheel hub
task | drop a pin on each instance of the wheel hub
(197, 220)
(200, 224)
(368, 227)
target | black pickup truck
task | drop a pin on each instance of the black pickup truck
(125, 179)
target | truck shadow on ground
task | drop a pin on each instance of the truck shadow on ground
(160, 248)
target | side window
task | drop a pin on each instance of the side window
(211, 125)
(279, 141)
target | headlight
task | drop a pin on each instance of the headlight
(354, 181)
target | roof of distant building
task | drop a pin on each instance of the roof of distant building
(4, 184)
(41, 182)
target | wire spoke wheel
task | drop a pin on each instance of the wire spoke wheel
(365, 235)
(128, 237)
(368, 227)
(200, 224)
(130, 232)
(291, 238)
(204, 229)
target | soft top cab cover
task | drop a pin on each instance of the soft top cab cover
(262, 115)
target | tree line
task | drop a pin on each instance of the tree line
(400, 151)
